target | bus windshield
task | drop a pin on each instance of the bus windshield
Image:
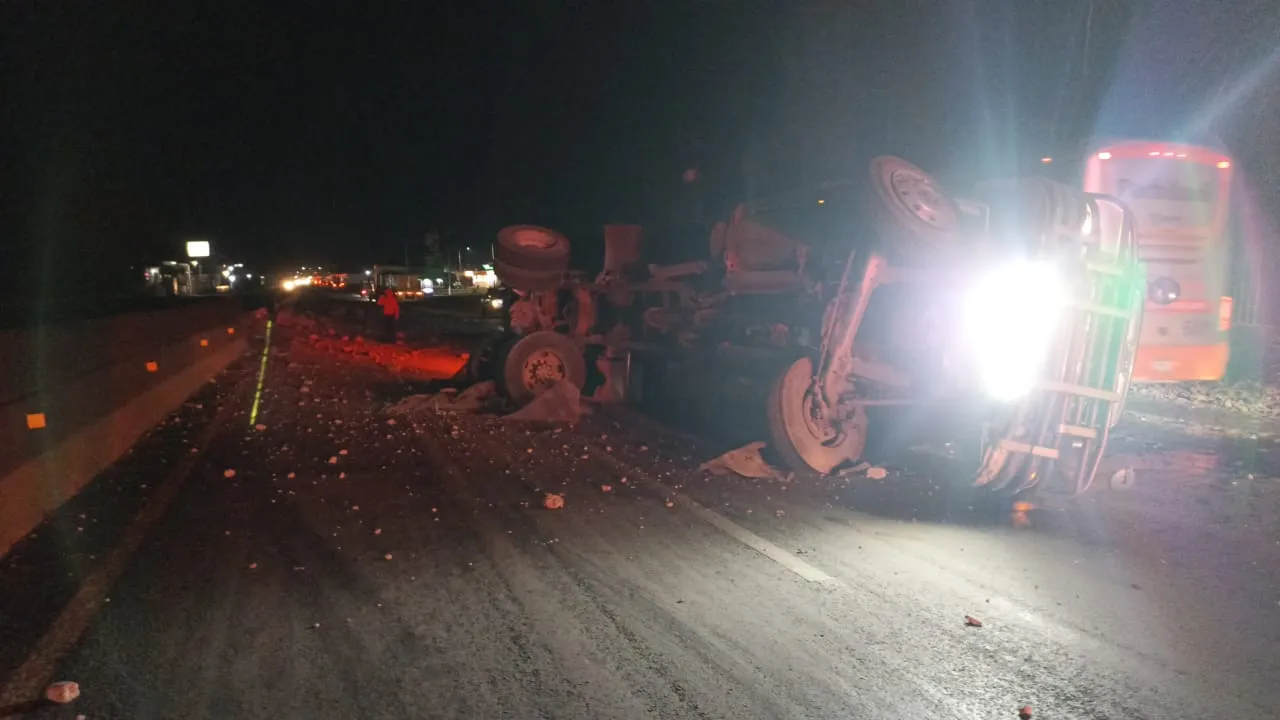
(1168, 195)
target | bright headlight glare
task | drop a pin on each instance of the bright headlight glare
(495, 303)
(1009, 322)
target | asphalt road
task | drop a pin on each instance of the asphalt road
(358, 563)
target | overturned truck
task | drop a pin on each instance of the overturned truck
(1013, 311)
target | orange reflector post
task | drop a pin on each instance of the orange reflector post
(204, 342)
(35, 421)
(1225, 304)
(153, 366)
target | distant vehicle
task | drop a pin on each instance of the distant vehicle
(406, 282)
(495, 300)
(1179, 195)
(168, 279)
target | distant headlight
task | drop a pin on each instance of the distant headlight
(1010, 318)
(495, 303)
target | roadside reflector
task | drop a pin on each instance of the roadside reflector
(1225, 305)
(231, 331)
(152, 366)
(35, 421)
(204, 342)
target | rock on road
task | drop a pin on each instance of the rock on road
(363, 564)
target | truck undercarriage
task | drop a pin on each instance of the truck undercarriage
(1018, 312)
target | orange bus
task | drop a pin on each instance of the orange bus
(1179, 195)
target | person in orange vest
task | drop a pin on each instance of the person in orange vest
(390, 314)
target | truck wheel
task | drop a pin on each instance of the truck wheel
(518, 278)
(528, 247)
(536, 361)
(803, 441)
(914, 217)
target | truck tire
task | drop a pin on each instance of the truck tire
(532, 363)
(532, 248)
(913, 216)
(518, 278)
(800, 443)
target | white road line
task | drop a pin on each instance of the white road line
(725, 525)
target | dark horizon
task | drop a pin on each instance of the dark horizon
(341, 135)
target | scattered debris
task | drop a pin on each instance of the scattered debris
(745, 461)
(972, 621)
(62, 692)
(387, 556)
(561, 402)
(854, 469)
(253, 566)
(333, 459)
(553, 501)
(228, 473)
(606, 488)
(1024, 712)
(259, 427)
(1250, 397)
(476, 396)
(473, 399)
(877, 473)
(1018, 515)
(669, 504)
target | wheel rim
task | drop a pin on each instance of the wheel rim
(821, 445)
(918, 194)
(815, 425)
(542, 368)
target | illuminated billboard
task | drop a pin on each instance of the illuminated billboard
(197, 248)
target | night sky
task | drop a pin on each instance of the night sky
(312, 132)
